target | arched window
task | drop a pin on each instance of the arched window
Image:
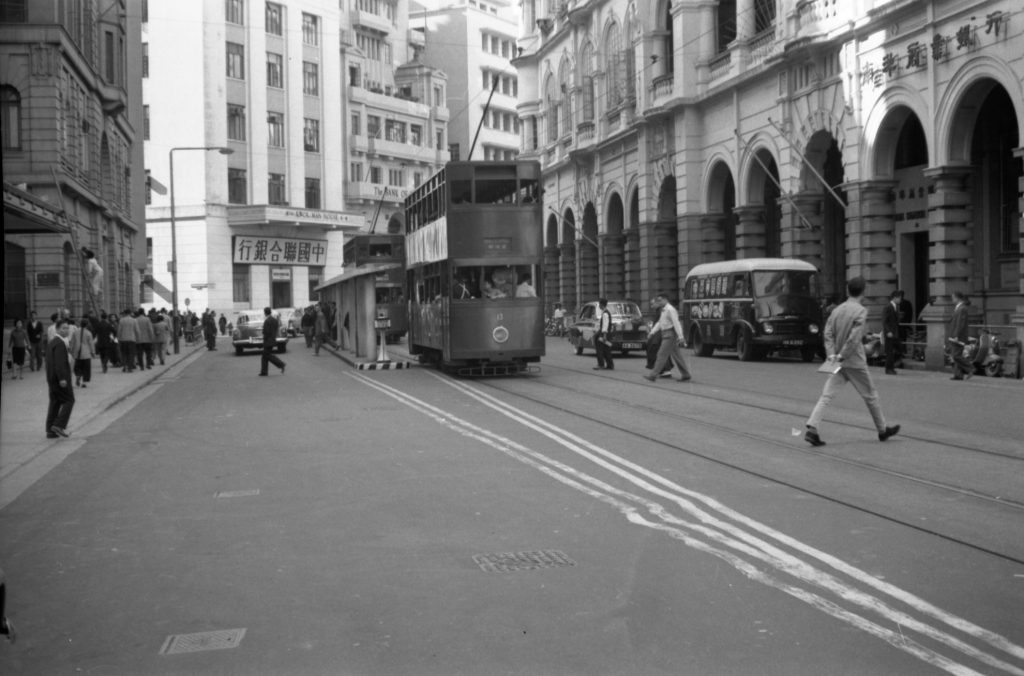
(565, 84)
(586, 70)
(552, 101)
(632, 38)
(613, 72)
(670, 47)
(726, 24)
(10, 117)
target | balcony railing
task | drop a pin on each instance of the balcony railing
(720, 65)
(662, 86)
(585, 132)
(763, 45)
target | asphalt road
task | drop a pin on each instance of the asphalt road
(333, 521)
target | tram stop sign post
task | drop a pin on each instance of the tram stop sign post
(382, 323)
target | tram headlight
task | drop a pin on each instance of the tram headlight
(813, 328)
(768, 328)
(500, 334)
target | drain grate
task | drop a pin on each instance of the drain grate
(207, 640)
(237, 494)
(510, 562)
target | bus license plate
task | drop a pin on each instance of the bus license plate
(631, 346)
(795, 343)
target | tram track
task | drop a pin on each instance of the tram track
(803, 404)
(696, 453)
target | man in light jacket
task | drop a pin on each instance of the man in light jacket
(127, 336)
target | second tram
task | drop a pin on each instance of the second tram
(473, 253)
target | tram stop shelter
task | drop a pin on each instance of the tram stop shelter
(354, 294)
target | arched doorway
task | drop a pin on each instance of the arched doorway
(567, 261)
(719, 223)
(612, 243)
(758, 223)
(589, 270)
(15, 282)
(824, 155)
(997, 265)
(552, 288)
(396, 225)
(631, 248)
(666, 235)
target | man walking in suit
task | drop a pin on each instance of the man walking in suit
(58, 379)
(602, 344)
(844, 347)
(891, 332)
(956, 330)
(271, 327)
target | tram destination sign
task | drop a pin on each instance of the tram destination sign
(253, 250)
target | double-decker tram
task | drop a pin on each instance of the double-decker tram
(386, 252)
(473, 255)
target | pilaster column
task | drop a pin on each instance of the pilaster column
(612, 265)
(950, 261)
(631, 252)
(589, 285)
(552, 289)
(750, 231)
(871, 240)
(1017, 318)
(567, 275)
(799, 240)
(712, 231)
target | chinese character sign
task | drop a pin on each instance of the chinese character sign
(256, 250)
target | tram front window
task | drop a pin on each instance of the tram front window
(493, 282)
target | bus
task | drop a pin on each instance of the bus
(755, 306)
(473, 260)
(383, 250)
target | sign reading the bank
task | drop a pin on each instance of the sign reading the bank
(278, 250)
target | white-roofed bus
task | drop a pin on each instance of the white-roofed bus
(755, 306)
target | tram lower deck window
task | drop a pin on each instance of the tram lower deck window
(492, 282)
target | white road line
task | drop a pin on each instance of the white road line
(726, 534)
(994, 639)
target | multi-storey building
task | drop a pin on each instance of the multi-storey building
(474, 41)
(395, 111)
(287, 123)
(71, 115)
(870, 137)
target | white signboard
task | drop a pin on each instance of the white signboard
(428, 244)
(256, 250)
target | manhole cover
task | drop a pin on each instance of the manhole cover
(510, 562)
(207, 640)
(237, 494)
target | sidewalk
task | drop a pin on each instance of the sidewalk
(25, 452)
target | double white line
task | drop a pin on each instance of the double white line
(756, 550)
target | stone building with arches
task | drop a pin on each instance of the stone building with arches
(868, 137)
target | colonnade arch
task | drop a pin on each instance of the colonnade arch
(718, 224)
(613, 264)
(588, 264)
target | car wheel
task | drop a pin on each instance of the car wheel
(807, 354)
(745, 345)
(700, 348)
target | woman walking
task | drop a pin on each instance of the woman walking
(18, 344)
(82, 351)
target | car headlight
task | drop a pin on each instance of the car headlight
(767, 328)
(813, 328)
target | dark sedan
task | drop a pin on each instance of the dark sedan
(629, 330)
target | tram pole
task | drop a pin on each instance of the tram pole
(494, 88)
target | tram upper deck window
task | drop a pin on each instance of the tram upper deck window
(381, 250)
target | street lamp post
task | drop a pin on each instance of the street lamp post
(176, 319)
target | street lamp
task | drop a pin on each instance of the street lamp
(174, 241)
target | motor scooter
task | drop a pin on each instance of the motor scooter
(982, 352)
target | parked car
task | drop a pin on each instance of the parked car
(248, 332)
(291, 319)
(629, 330)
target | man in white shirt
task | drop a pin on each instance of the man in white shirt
(671, 340)
(602, 344)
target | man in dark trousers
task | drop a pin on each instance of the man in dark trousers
(271, 327)
(602, 344)
(891, 332)
(58, 379)
(956, 330)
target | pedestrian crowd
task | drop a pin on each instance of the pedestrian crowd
(66, 350)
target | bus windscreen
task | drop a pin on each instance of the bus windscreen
(785, 292)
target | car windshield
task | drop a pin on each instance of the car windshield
(624, 309)
(786, 292)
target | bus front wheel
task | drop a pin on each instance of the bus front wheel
(700, 348)
(745, 345)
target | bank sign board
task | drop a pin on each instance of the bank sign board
(253, 250)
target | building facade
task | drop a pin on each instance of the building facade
(71, 113)
(474, 42)
(871, 137)
(271, 111)
(395, 114)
